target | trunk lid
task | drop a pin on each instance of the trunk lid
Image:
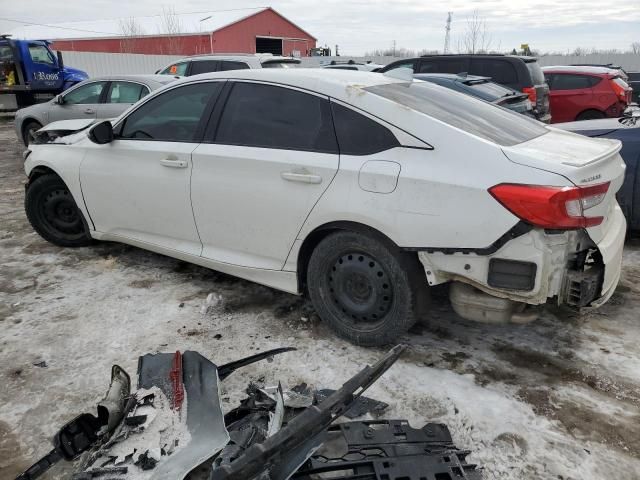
(582, 161)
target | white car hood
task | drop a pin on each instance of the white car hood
(68, 125)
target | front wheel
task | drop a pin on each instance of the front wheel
(590, 115)
(28, 131)
(361, 288)
(54, 214)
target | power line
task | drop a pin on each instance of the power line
(54, 26)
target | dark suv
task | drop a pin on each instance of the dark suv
(517, 72)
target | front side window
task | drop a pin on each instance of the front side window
(230, 65)
(41, 54)
(562, 81)
(358, 134)
(469, 114)
(173, 116)
(258, 115)
(126, 92)
(86, 94)
(179, 69)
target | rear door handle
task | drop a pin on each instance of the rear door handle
(173, 163)
(301, 177)
(89, 111)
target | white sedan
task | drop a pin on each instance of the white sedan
(361, 189)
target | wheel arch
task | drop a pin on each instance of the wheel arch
(40, 170)
(590, 109)
(312, 240)
(25, 122)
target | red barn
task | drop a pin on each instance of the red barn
(253, 30)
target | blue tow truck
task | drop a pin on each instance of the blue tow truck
(30, 72)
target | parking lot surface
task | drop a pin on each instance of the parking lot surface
(556, 399)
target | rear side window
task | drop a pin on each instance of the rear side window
(443, 65)
(203, 66)
(229, 65)
(562, 81)
(258, 115)
(173, 116)
(126, 92)
(497, 125)
(358, 134)
(500, 71)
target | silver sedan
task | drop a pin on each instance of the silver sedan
(102, 97)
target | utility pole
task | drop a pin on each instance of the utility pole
(447, 35)
(337, 51)
(393, 48)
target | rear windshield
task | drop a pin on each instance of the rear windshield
(537, 77)
(496, 124)
(490, 90)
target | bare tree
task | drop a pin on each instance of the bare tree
(130, 30)
(171, 26)
(476, 38)
(635, 48)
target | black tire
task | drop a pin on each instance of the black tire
(363, 288)
(590, 115)
(53, 213)
(28, 129)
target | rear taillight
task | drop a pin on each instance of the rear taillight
(533, 95)
(554, 208)
(620, 91)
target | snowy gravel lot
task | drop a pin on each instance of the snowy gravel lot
(558, 399)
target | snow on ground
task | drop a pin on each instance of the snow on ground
(557, 399)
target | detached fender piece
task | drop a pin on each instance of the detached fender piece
(280, 455)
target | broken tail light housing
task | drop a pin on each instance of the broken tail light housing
(533, 95)
(553, 208)
(620, 88)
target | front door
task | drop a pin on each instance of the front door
(257, 178)
(137, 187)
(79, 102)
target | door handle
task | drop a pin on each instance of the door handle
(301, 177)
(173, 163)
(89, 111)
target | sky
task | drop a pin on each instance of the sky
(360, 26)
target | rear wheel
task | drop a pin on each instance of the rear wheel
(362, 288)
(590, 115)
(54, 214)
(28, 131)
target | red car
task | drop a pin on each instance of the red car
(586, 93)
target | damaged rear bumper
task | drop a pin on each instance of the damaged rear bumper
(534, 268)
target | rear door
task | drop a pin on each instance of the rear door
(120, 96)
(136, 188)
(258, 174)
(569, 95)
(79, 102)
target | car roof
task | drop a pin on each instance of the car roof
(333, 82)
(262, 57)
(525, 58)
(147, 79)
(450, 76)
(581, 69)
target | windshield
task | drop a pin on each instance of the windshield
(537, 77)
(479, 118)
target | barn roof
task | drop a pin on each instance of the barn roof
(151, 25)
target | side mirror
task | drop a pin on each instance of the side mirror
(60, 61)
(102, 133)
